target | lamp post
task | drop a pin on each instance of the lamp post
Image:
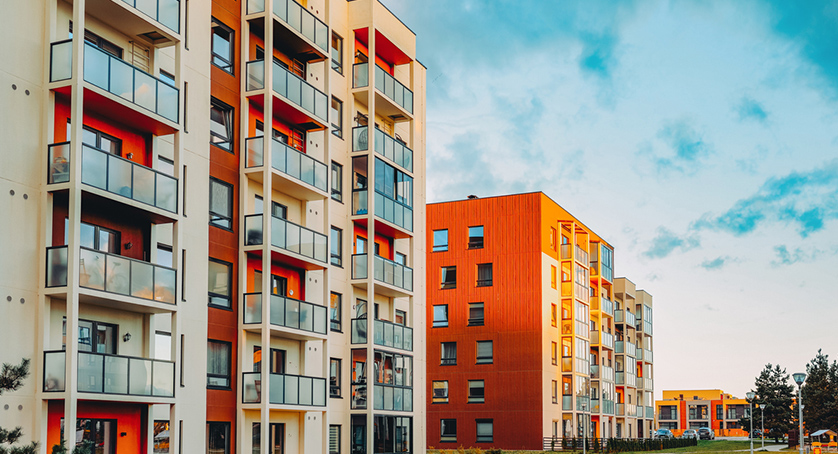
(762, 423)
(750, 395)
(799, 378)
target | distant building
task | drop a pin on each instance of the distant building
(692, 409)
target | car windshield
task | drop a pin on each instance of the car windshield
(662, 431)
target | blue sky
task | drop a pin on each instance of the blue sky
(699, 138)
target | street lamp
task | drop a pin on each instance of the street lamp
(750, 395)
(762, 423)
(799, 378)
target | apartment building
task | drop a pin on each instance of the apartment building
(160, 244)
(695, 408)
(523, 312)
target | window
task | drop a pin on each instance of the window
(553, 314)
(553, 238)
(475, 314)
(218, 364)
(337, 53)
(218, 437)
(555, 392)
(484, 275)
(476, 392)
(337, 182)
(94, 336)
(440, 240)
(220, 283)
(449, 277)
(334, 439)
(552, 276)
(161, 437)
(400, 258)
(449, 354)
(335, 312)
(337, 256)
(221, 204)
(484, 352)
(447, 430)
(440, 316)
(100, 432)
(554, 353)
(337, 117)
(222, 46)
(334, 377)
(95, 237)
(485, 430)
(440, 391)
(100, 140)
(401, 317)
(164, 255)
(163, 345)
(221, 125)
(475, 237)
(167, 77)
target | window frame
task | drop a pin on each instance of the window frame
(478, 438)
(476, 399)
(337, 65)
(229, 60)
(476, 244)
(337, 182)
(445, 436)
(472, 321)
(229, 297)
(221, 216)
(439, 247)
(229, 375)
(227, 113)
(335, 380)
(439, 324)
(485, 282)
(443, 397)
(484, 359)
(336, 129)
(445, 284)
(336, 242)
(336, 324)
(225, 427)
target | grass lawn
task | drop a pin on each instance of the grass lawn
(712, 447)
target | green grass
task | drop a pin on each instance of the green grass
(710, 447)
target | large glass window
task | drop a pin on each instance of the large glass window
(607, 263)
(475, 237)
(484, 275)
(220, 283)
(449, 277)
(447, 430)
(440, 316)
(334, 377)
(218, 437)
(221, 125)
(99, 432)
(448, 354)
(476, 392)
(337, 181)
(336, 250)
(94, 336)
(222, 46)
(161, 437)
(221, 204)
(392, 434)
(475, 314)
(440, 240)
(218, 364)
(393, 184)
(335, 305)
(440, 391)
(485, 431)
(337, 53)
(484, 352)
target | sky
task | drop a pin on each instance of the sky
(698, 138)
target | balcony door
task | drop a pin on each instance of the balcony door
(277, 360)
(276, 432)
(95, 337)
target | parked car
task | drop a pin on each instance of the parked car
(664, 434)
(690, 433)
(706, 433)
(756, 433)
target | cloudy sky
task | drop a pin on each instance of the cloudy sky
(699, 138)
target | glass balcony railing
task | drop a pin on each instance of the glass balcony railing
(594, 370)
(621, 409)
(393, 89)
(608, 340)
(581, 255)
(386, 271)
(116, 175)
(647, 355)
(255, 6)
(288, 236)
(583, 403)
(167, 12)
(606, 373)
(289, 161)
(385, 333)
(286, 312)
(392, 398)
(607, 407)
(648, 385)
(631, 410)
(61, 60)
(360, 75)
(393, 212)
(606, 306)
(295, 89)
(112, 374)
(631, 320)
(360, 138)
(359, 202)
(565, 251)
(594, 337)
(639, 353)
(114, 274)
(116, 76)
(596, 408)
(255, 75)
(650, 412)
(567, 403)
(620, 378)
(303, 22)
(631, 349)
(389, 147)
(285, 389)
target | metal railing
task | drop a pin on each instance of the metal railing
(288, 236)
(392, 398)
(167, 12)
(285, 389)
(289, 161)
(385, 83)
(303, 22)
(114, 274)
(295, 89)
(112, 374)
(385, 333)
(286, 312)
(114, 174)
(572, 444)
(384, 270)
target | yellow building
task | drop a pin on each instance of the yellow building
(692, 409)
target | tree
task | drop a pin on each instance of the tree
(820, 394)
(773, 389)
(11, 379)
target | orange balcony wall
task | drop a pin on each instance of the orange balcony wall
(295, 277)
(131, 423)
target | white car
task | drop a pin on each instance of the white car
(690, 433)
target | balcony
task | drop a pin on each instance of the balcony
(621, 409)
(301, 94)
(287, 236)
(285, 389)
(625, 378)
(394, 91)
(648, 384)
(607, 306)
(117, 77)
(393, 149)
(583, 403)
(650, 412)
(394, 212)
(293, 163)
(113, 274)
(567, 403)
(167, 12)
(297, 18)
(607, 407)
(385, 333)
(631, 410)
(101, 373)
(385, 270)
(594, 370)
(581, 256)
(625, 316)
(647, 355)
(392, 398)
(286, 313)
(116, 175)
(606, 373)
